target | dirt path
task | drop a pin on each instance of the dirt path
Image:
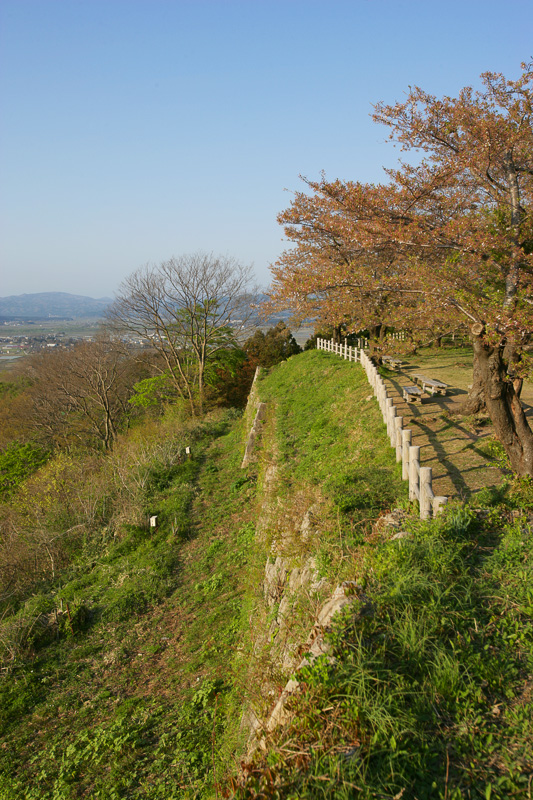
(455, 448)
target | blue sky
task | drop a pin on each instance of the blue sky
(131, 131)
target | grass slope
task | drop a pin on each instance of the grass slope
(429, 693)
(116, 698)
(126, 673)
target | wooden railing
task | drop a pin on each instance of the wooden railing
(420, 478)
(343, 350)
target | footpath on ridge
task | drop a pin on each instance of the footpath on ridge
(456, 448)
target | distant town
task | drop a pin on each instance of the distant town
(34, 323)
(24, 344)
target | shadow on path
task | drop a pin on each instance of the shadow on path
(440, 437)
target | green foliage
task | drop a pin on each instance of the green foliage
(125, 673)
(18, 461)
(268, 349)
(75, 655)
(153, 391)
(13, 388)
(324, 443)
(224, 362)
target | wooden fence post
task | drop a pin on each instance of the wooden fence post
(420, 478)
(426, 492)
(388, 404)
(381, 396)
(398, 429)
(414, 464)
(391, 430)
(406, 444)
(439, 502)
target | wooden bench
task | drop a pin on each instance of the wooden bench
(430, 385)
(412, 394)
(391, 362)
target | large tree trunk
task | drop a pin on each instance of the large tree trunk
(376, 334)
(475, 402)
(502, 396)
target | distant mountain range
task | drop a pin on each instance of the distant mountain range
(60, 305)
(46, 305)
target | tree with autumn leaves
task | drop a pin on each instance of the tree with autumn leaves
(445, 240)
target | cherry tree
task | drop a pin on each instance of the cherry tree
(453, 234)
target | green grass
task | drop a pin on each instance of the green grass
(330, 439)
(129, 673)
(430, 695)
(158, 610)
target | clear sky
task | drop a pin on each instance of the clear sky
(134, 130)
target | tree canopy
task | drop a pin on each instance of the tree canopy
(189, 309)
(268, 348)
(446, 239)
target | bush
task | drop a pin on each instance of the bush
(268, 349)
(17, 462)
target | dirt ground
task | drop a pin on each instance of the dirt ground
(455, 447)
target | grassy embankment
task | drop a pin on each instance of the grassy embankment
(430, 691)
(126, 671)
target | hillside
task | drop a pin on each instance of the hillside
(43, 305)
(280, 633)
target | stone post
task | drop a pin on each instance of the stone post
(406, 444)
(426, 492)
(398, 428)
(414, 464)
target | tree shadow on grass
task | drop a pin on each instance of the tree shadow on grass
(440, 407)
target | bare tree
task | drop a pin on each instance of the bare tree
(190, 309)
(80, 393)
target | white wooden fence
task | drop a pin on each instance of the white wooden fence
(343, 350)
(399, 336)
(420, 478)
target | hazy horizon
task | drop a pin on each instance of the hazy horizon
(70, 294)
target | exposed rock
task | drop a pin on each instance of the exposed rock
(401, 535)
(260, 411)
(254, 433)
(302, 576)
(309, 523)
(390, 523)
(283, 611)
(280, 714)
(270, 476)
(317, 646)
(275, 579)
